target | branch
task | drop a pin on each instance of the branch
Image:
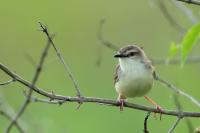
(101, 38)
(35, 78)
(177, 90)
(179, 108)
(189, 14)
(7, 82)
(174, 125)
(10, 119)
(145, 123)
(45, 30)
(190, 60)
(48, 101)
(103, 101)
(195, 2)
(170, 19)
(189, 125)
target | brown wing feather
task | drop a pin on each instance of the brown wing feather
(116, 78)
(149, 65)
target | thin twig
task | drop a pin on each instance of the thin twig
(35, 78)
(48, 101)
(67, 69)
(174, 125)
(30, 59)
(145, 122)
(104, 101)
(170, 19)
(189, 14)
(101, 38)
(177, 90)
(195, 2)
(7, 82)
(189, 125)
(179, 109)
(6, 115)
(190, 60)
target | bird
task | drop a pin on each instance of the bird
(134, 75)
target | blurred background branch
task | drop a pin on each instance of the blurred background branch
(159, 61)
(7, 116)
(30, 91)
(195, 2)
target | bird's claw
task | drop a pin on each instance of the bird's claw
(159, 110)
(121, 103)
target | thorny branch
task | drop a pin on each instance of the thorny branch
(67, 69)
(7, 116)
(56, 97)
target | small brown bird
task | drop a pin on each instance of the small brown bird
(134, 75)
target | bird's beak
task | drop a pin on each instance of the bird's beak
(118, 56)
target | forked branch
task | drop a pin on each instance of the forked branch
(103, 101)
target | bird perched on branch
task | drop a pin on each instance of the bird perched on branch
(134, 74)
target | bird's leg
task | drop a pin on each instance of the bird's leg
(155, 104)
(121, 100)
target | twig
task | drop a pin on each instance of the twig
(174, 125)
(186, 11)
(179, 109)
(48, 101)
(190, 60)
(67, 69)
(177, 90)
(189, 125)
(145, 123)
(93, 99)
(30, 59)
(195, 2)
(8, 82)
(168, 17)
(101, 38)
(6, 115)
(35, 78)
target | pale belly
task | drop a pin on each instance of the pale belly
(134, 86)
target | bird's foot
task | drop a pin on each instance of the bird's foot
(159, 110)
(121, 104)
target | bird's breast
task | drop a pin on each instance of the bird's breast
(134, 81)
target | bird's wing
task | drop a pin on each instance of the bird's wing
(148, 64)
(116, 74)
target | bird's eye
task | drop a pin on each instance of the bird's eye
(132, 53)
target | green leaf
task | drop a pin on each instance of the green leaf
(173, 51)
(189, 41)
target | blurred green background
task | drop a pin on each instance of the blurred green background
(75, 24)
